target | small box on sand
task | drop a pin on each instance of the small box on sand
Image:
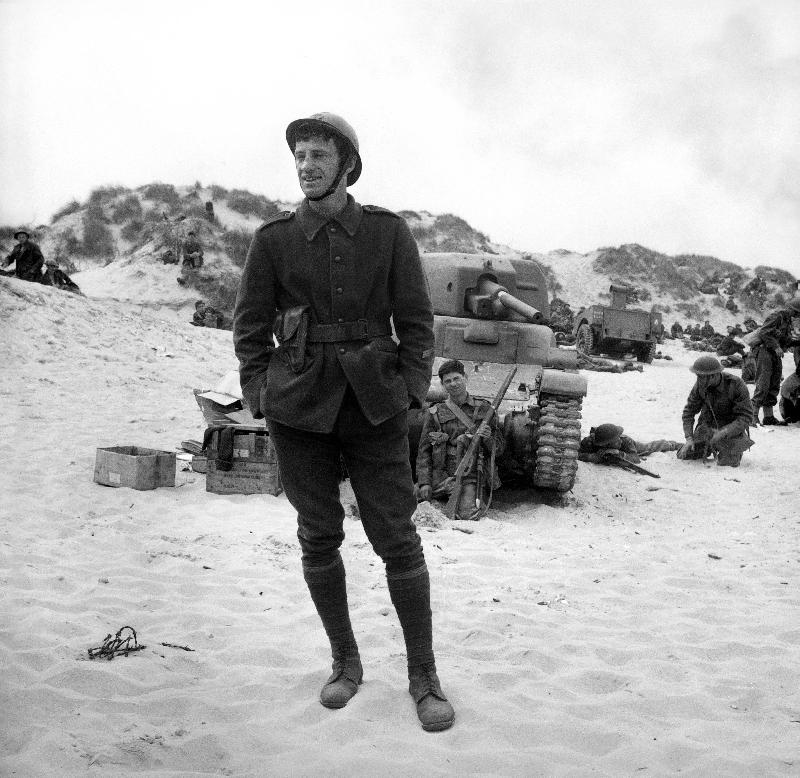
(242, 460)
(135, 467)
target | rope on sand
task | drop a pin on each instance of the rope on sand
(116, 645)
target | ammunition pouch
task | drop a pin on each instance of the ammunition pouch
(291, 331)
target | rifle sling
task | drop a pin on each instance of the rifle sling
(461, 416)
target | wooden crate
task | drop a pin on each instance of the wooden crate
(254, 463)
(134, 467)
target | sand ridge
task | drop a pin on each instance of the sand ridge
(638, 626)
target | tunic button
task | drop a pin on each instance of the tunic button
(333, 229)
(340, 319)
(337, 259)
(342, 349)
(339, 290)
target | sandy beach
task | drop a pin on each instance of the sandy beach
(639, 626)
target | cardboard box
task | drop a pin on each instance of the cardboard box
(134, 467)
(220, 408)
(254, 463)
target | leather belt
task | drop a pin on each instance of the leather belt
(361, 329)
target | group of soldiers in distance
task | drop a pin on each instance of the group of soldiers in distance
(30, 265)
(716, 418)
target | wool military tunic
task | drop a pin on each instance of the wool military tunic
(726, 405)
(362, 264)
(438, 455)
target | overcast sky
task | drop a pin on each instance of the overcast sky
(569, 124)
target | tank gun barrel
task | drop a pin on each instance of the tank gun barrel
(507, 300)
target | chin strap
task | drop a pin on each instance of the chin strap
(335, 185)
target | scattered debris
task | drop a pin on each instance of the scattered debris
(714, 556)
(173, 645)
(113, 646)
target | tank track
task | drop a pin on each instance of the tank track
(556, 441)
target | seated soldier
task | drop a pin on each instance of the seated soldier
(789, 399)
(607, 441)
(205, 316)
(446, 434)
(725, 411)
(731, 350)
(56, 277)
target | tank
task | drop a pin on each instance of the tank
(616, 329)
(491, 312)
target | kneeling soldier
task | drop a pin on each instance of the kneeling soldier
(725, 411)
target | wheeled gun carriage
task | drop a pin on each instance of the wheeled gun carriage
(491, 311)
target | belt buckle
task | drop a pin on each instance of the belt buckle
(362, 329)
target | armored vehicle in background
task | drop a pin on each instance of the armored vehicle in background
(616, 329)
(491, 312)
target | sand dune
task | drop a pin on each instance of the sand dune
(640, 627)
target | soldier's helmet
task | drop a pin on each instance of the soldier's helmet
(794, 305)
(21, 231)
(332, 123)
(606, 435)
(51, 263)
(706, 365)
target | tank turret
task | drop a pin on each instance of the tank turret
(491, 311)
(490, 300)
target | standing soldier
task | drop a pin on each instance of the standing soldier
(446, 434)
(775, 336)
(192, 250)
(725, 411)
(676, 330)
(28, 257)
(325, 280)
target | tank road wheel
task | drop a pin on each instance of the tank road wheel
(556, 442)
(647, 352)
(584, 341)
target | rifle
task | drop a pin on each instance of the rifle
(626, 464)
(465, 464)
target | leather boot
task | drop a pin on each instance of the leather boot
(433, 710)
(343, 684)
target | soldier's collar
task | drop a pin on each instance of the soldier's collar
(311, 222)
(470, 400)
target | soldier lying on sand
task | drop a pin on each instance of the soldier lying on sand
(608, 439)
